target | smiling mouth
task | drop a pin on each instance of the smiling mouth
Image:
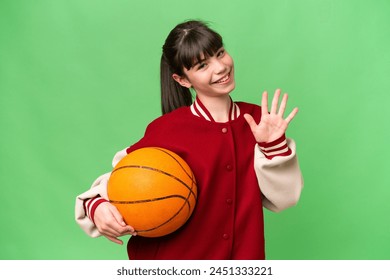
(223, 80)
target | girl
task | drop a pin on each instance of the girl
(238, 152)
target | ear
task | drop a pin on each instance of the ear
(183, 81)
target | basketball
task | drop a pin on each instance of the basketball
(154, 189)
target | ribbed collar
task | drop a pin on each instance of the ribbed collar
(198, 109)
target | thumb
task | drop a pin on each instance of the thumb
(249, 119)
(118, 217)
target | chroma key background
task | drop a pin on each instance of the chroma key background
(79, 80)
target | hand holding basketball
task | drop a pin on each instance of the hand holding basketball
(272, 125)
(110, 223)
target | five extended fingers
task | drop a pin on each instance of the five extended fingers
(274, 105)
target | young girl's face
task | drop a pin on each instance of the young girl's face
(212, 76)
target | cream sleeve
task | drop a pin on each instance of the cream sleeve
(99, 187)
(280, 178)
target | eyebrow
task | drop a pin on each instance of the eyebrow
(207, 57)
(200, 61)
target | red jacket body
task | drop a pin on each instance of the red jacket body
(227, 222)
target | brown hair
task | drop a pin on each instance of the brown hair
(183, 48)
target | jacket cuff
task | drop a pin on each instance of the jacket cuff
(275, 148)
(90, 206)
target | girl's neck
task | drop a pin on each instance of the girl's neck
(218, 107)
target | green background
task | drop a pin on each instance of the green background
(79, 80)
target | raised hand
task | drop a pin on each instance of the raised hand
(272, 125)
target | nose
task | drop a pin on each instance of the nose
(219, 66)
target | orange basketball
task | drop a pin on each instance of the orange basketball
(154, 189)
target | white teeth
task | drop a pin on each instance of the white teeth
(224, 79)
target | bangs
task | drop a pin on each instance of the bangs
(196, 46)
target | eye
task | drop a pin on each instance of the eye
(202, 65)
(221, 53)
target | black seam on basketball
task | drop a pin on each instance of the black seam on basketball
(186, 202)
(175, 159)
(167, 221)
(147, 200)
(191, 176)
(160, 171)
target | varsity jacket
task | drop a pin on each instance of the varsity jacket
(236, 177)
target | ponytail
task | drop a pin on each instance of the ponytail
(173, 95)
